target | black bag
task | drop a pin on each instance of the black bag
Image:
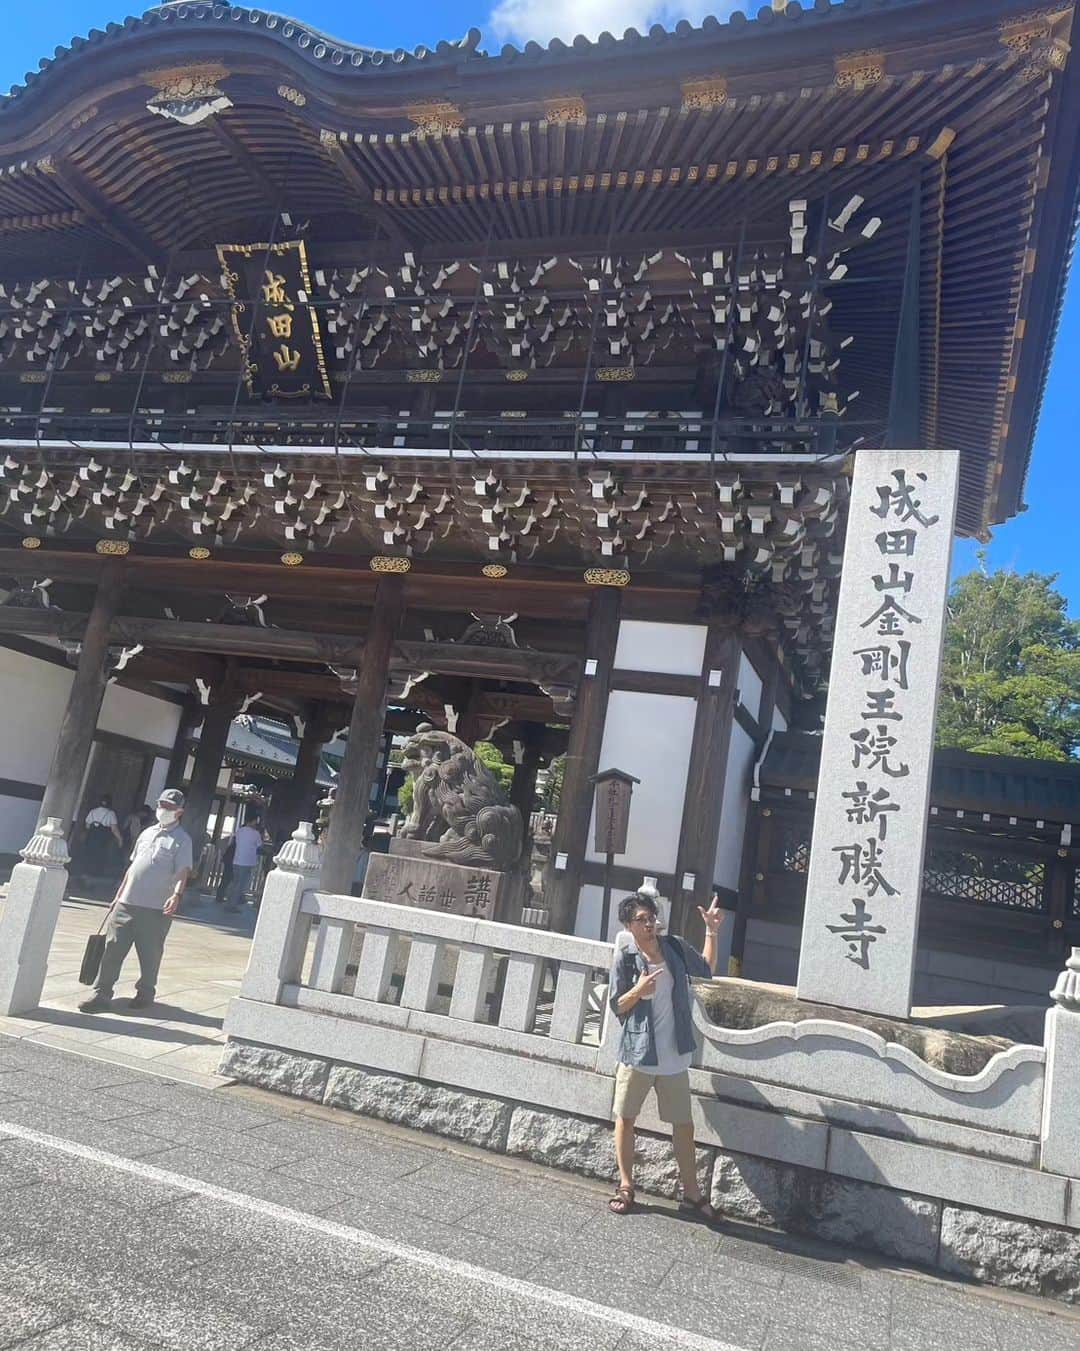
(95, 946)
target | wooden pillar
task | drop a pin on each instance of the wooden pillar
(705, 777)
(563, 885)
(302, 793)
(79, 722)
(189, 719)
(469, 725)
(351, 804)
(209, 756)
(523, 785)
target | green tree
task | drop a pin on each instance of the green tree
(1010, 680)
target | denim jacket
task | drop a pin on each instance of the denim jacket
(637, 1044)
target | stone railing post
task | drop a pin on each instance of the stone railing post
(281, 932)
(35, 894)
(1061, 1100)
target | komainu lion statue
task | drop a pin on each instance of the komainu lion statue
(460, 812)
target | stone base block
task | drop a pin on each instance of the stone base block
(806, 1201)
(301, 1076)
(1038, 1258)
(469, 1117)
(582, 1146)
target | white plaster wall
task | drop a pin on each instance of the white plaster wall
(736, 800)
(18, 817)
(749, 687)
(139, 716)
(33, 695)
(156, 782)
(649, 736)
(591, 905)
(671, 649)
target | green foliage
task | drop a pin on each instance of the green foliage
(553, 787)
(491, 756)
(1011, 672)
(405, 796)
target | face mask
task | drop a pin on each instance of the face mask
(166, 817)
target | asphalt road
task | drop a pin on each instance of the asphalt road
(136, 1212)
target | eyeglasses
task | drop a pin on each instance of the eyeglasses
(649, 920)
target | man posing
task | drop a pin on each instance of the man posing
(650, 995)
(148, 897)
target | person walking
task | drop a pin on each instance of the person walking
(148, 897)
(246, 842)
(650, 995)
(102, 841)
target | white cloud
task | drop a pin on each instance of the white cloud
(522, 21)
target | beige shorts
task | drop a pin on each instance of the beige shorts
(672, 1094)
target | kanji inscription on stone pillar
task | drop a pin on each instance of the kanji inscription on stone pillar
(863, 889)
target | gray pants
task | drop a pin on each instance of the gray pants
(145, 928)
(241, 880)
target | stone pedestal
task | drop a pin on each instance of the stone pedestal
(35, 894)
(433, 885)
(1060, 1151)
(277, 950)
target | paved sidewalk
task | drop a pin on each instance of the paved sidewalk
(158, 1214)
(205, 957)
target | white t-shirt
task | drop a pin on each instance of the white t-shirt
(246, 853)
(668, 1059)
(101, 816)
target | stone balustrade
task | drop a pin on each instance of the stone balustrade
(501, 1036)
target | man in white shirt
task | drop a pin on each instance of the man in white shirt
(148, 897)
(247, 841)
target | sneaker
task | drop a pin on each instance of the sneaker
(95, 1004)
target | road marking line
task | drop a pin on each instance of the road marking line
(362, 1238)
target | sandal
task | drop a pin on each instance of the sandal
(622, 1203)
(701, 1209)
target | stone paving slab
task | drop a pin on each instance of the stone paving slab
(205, 957)
(124, 1262)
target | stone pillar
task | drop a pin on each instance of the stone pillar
(35, 894)
(346, 833)
(563, 883)
(209, 757)
(695, 866)
(281, 932)
(1061, 1098)
(84, 704)
(864, 885)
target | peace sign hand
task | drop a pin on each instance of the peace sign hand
(712, 916)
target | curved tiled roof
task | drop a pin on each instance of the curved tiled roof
(302, 38)
(322, 49)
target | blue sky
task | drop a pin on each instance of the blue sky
(1039, 540)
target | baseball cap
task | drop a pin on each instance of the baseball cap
(172, 797)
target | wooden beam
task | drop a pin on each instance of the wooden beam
(555, 671)
(106, 214)
(243, 159)
(360, 190)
